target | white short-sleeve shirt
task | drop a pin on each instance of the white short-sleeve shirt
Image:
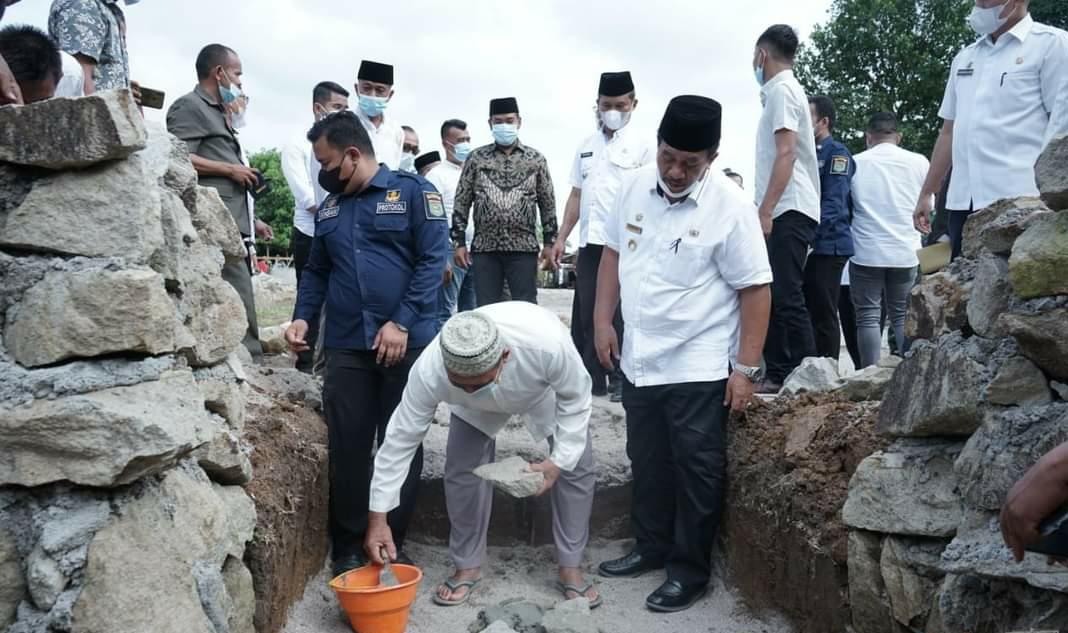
(1006, 99)
(786, 108)
(599, 166)
(680, 269)
(885, 189)
(387, 139)
(445, 176)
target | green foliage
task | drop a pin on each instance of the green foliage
(275, 208)
(1051, 12)
(886, 55)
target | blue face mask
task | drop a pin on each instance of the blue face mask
(462, 151)
(230, 93)
(759, 72)
(505, 133)
(373, 106)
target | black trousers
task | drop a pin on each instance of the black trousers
(589, 260)
(493, 268)
(789, 338)
(677, 445)
(359, 396)
(823, 283)
(301, 245)
(956, 230)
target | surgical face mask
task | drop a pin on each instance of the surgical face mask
(331, 180)
(462, 151)
(614, 119)
(680, 194)
(373, 106)
(237, 120)
(987, 21)
(758, 72)
(230, 93)
(407, 162)
(505, 133)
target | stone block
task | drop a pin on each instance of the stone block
(870, 383)
(79, 132)
(997, 227)
(1018, 381)
(868, 601)
(211, 313)
(512, 476)
(1040, 258)
(521, 615)
(970, 603)
(273, 338)
(910, 573)
(1008, 443)
(238, 582)
(91, 313)
(179, 237)
(990, 296)
(907, 489)
(938, 305)
(12, 579)
(118, 211)
(498, 627)
(104, 438)
(225, 459)
(979, 549)
(1043, 338)
(572, 616)
(215, 225)
(813, 375)
(1050, 174)
(936, 390)
(225, 389)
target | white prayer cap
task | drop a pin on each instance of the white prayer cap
(470, 344)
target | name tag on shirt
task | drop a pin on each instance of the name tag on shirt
(965, 72)
(634, 229)
(391, 207)
(586, 155)
(327, 212)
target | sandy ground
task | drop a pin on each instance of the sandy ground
(529, 573)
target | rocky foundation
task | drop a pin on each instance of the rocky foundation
(121, 394)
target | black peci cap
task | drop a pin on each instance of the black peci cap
(427, 159)
(692, 123)
(506, 105)
(376, 72)
(615, 84)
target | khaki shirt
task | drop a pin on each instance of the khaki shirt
(200, 121)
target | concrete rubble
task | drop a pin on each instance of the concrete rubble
(512, 476)
(121, 403)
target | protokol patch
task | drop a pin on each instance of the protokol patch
(393, 196)
(391, 207)
(327, 212)
(435, 207)
(840, 165)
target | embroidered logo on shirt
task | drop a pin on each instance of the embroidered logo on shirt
(694, 233)
(391, 207)
(632, 245)
(840, 165)
(327, 213)
(393, 196)
(435, 208)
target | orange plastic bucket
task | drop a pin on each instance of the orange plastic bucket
(373, 608)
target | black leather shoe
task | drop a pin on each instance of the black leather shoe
(348, 563)
(672, 597)
(630, 566)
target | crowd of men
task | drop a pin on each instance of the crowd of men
(690, 296)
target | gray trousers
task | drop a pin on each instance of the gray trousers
(469, 499)
(236, 273)
(868, 286)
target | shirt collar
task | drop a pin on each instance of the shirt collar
(1020, 31)
(381, 178)
(366, 120)
(518, 147)
(210, 100)
(694, 195)
(776, 80)
(826, 141)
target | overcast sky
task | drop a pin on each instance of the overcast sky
(452, 57)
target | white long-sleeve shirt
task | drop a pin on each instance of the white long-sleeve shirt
(301, 171)
(543, 378)
(387, 139)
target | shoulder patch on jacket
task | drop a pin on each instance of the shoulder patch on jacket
(840, 165)
(435, 206)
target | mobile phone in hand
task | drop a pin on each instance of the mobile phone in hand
(1054, 531)
(262, 186)
(151, 98)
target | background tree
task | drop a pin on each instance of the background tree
(1052, 12)
(886, 55)
(275, 208)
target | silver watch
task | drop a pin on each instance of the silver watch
(752, 373)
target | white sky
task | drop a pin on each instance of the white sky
(452, 57)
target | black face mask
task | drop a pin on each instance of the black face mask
(330, 179)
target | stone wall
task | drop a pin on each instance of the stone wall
(979, 399)
(121, 394)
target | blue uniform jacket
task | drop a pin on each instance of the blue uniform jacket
(833, 236)
(377, 256)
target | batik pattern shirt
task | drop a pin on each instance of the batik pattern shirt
(95, 29)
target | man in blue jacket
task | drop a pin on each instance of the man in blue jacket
(381, 242)
(833, 245)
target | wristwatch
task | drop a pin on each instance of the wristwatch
(400, 327)
(752, 373)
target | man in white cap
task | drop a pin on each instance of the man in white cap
(490, 364)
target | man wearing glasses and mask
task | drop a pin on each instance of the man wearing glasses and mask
(489, 364)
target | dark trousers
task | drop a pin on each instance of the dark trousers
(848, 317)
(789, 338)
(301, 246)
(823, 282)
(237, 274)
(493, 268)
(359, 396)
(589, 260)
(956, 230)
(677, 445)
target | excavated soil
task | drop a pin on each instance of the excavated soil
(790, 465)
(289, 486)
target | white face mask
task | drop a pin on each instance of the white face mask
(407, 162)
(680, 194)
(614, 119)
(987, 21)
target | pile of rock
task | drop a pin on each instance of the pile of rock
(520, 616)
(970, 409)
(121, 393)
